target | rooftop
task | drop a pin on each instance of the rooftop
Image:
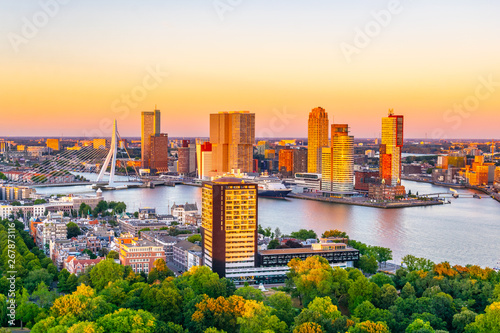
(188, 246)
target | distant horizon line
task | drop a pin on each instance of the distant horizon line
(256, 138)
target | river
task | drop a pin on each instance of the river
(464, 232)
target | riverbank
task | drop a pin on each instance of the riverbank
(365, 202)
(428, 181)
(494, 195)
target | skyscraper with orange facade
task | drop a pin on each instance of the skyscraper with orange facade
(390, 149)
(154, 145)
(150, 126)
(338, 161)
(232, 135)
(317, 138)
(159, 152)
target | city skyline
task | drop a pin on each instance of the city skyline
(64, 79)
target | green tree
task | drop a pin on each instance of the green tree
(361, 290)
(408, 291)
(325, 307)
(85, 327)
(84, 210)
(273, 244)
(418, 325)
(213, 330)
(26, 311)
(160, 271)
(203, 281)
(89, 253)
(304, 234)
(113, 255)
(73, 230)
(104, 272)
(115, 292)
(370, 327)
(250, 293)
(170, 327)
(282, 307)
(258, 318)
(43, 296)
(413, 263)
(3, 311)
(380, 279)
(164, 300)
(127, 320)
(143, 229)
(462, 319)
(312, 277)
(382, 254)
(83, 304)
(63, 277)
(71, 283)
(368, 264)
(277, 233)
(194, 238)
(34, 278)
(388, 296)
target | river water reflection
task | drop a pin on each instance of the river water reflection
(465, 232)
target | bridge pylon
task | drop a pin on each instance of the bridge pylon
(110, 158)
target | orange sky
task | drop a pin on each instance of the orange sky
(278, 60)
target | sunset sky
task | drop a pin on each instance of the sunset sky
(68, 69)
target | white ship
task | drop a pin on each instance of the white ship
(270, 187)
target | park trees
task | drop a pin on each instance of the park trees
(304, 234)
(128, 320)
(104, 272)
(335, 233)
(313, 277)
(160, 271)
(368, 264)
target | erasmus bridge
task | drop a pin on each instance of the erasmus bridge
(82, 166)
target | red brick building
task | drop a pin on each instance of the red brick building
(139, 254)
(363, 179)
(78, 266)
(159, 152)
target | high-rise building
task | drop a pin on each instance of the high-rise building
(292, 161)
(286, 161)
(150, 126)
(262, 146)
(229, 225)
(203, 158)
(153, 142)
(317, 138)
(53, 144)
(390, 149)
(232, 135)
(186, 154)
(338, 161)
(269, 154)
(159, 152)
(299, 160)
